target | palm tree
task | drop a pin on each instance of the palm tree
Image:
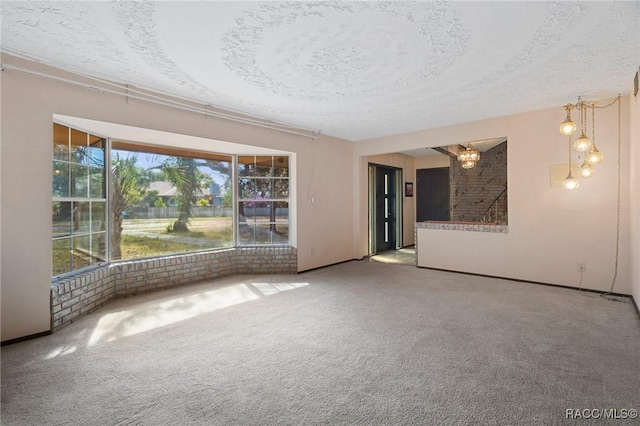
(184, 174)
(126, 192)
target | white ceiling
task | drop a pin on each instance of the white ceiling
(354, 70)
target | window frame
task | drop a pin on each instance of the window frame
(149, 148)
(89, 199)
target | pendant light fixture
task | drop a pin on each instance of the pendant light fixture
(594, 156)
(568, 126)
(585, 147)
(582, 143)
(468, 157)
(570, 182)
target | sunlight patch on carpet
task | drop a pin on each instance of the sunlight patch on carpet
(143, 318)
(62, 350)
(274, 288)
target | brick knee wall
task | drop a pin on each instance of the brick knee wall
(142, 276)
(76, 296)
(266, 260)
(80, 294)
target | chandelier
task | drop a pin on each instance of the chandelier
(468, 157)
(585, 147)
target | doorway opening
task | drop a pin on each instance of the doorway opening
(433, 194)
(385, 208)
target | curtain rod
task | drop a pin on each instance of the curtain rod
(134, 93)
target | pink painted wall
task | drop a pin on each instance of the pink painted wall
(28, 104)
(550, 229)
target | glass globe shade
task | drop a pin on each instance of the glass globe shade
(594, 156)
(586, 170)
(570, 183)
(582, 144)
(568, 127)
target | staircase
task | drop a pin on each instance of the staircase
(497, 210)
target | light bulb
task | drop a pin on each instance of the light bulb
(586, 170)
(568, 126)
(582, 144)
(468, 164)
(570, 183)
(594, 156)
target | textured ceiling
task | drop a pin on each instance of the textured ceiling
(354, 70)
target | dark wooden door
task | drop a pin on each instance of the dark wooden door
(432, 194)
(385, 209)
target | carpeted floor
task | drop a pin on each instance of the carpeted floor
(360, 343)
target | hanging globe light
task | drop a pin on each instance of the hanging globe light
(568, 126)
(586, 169)
(594, 156)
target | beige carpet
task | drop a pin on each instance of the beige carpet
(360, 343)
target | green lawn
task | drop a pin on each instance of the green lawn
(134, 246)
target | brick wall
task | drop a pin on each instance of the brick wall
(142, 276)
(473, 190)
(80, 294)
(266, 260)
(76, 296)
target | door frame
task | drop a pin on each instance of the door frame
(399, 198)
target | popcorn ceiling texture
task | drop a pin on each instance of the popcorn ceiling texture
(354, 70)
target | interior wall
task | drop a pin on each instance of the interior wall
(431, 161)
(634, 165)
(550, 229)
(405, 163)
(324, 203)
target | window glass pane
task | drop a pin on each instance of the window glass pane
(246, 165)
(98, 248)
(60, 179)
(79, 148)
(81, 217)
(246, 234)
(61, 218)
(246, 189)
(81, 252)
(61, 256)
(281, 167)
(280, 234)
(60, 142)
(246, 211)
(258, 211)
(263, 189)
(280, 227)
(96, 183)
(98, 211)
(264, 166)
(79, 181)
(167, 204)
(281, 189)
(263, 233)
(96, 151)
(282, 211)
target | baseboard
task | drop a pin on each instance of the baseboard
(329, 265)
(23, 338)
(533, 282)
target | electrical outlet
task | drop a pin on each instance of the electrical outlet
(581, 266)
